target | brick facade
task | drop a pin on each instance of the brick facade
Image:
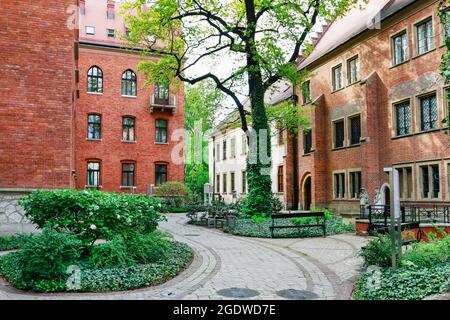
(44, 101)
(381, 85)
(36, 94)
(110, 151)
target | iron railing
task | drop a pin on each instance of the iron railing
(379, 216)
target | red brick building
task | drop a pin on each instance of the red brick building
(379, 102)
(127, 133)
(37, 86)
(74, 110)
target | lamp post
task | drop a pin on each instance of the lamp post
(395, 227)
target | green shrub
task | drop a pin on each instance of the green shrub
(92, 215)
(148, 248)
(403, 284)
(13, 242)
(110, 255)
(170, 189)
(429, 254)
(178, 257)
(47, 256)
(378, 252)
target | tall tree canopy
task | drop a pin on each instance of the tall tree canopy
(264, 39)
(202, 104)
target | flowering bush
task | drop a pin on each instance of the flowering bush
(92, 215)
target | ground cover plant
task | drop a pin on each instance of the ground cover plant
(424, 270)
(67, 257)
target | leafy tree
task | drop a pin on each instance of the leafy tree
(202, 104)
(264, 37)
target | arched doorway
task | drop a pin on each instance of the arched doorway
(307, 193)
(387, 196)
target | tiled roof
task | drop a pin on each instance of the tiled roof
(356, 21)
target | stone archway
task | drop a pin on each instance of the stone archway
(307, 193)
(385, 195)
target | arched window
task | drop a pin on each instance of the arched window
(129, 83)
(95, 80)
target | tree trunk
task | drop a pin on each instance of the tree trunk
(259, 198)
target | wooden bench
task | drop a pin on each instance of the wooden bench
(298, 215)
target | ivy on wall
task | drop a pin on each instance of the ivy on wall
(444, 16)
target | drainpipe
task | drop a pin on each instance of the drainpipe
(295, 158)
(214, 166)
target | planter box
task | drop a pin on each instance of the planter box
(362, 227)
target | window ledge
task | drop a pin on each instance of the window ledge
(308, 154)
(418, 133)
(93, 187)
(353, 83)
(126, 141)
(95, 93)
(127, 187)
(337, 90)
(422, 54)
(126, 96)
(393, 66)
(162, 143)
(94, 140)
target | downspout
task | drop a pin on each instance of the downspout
(214, 166)
(295, 199)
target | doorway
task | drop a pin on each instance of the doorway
(307, 194)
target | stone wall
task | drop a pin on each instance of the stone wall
(12, 216)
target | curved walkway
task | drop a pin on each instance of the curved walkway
(231, 267)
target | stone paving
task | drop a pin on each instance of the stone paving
(225, 265)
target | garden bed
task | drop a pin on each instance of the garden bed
(179, 256)
(423, 271)
(248, 228)
(92, 241)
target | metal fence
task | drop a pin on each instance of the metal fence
(379, 216)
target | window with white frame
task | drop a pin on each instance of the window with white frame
(233, 147)
(90, 30)
(244, 144)
(429, 181)
(224, 182)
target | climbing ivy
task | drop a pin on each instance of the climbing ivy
(444, 16)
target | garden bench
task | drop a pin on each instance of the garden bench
(298, 215)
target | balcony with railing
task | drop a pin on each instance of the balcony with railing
(162, 100)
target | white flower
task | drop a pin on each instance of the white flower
(93, 227)
(118, 216)
(159, 205)
(152, 207)
(96, 208)
(126, 203)
(91, 213)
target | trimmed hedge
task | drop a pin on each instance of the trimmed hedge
(92, 215)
